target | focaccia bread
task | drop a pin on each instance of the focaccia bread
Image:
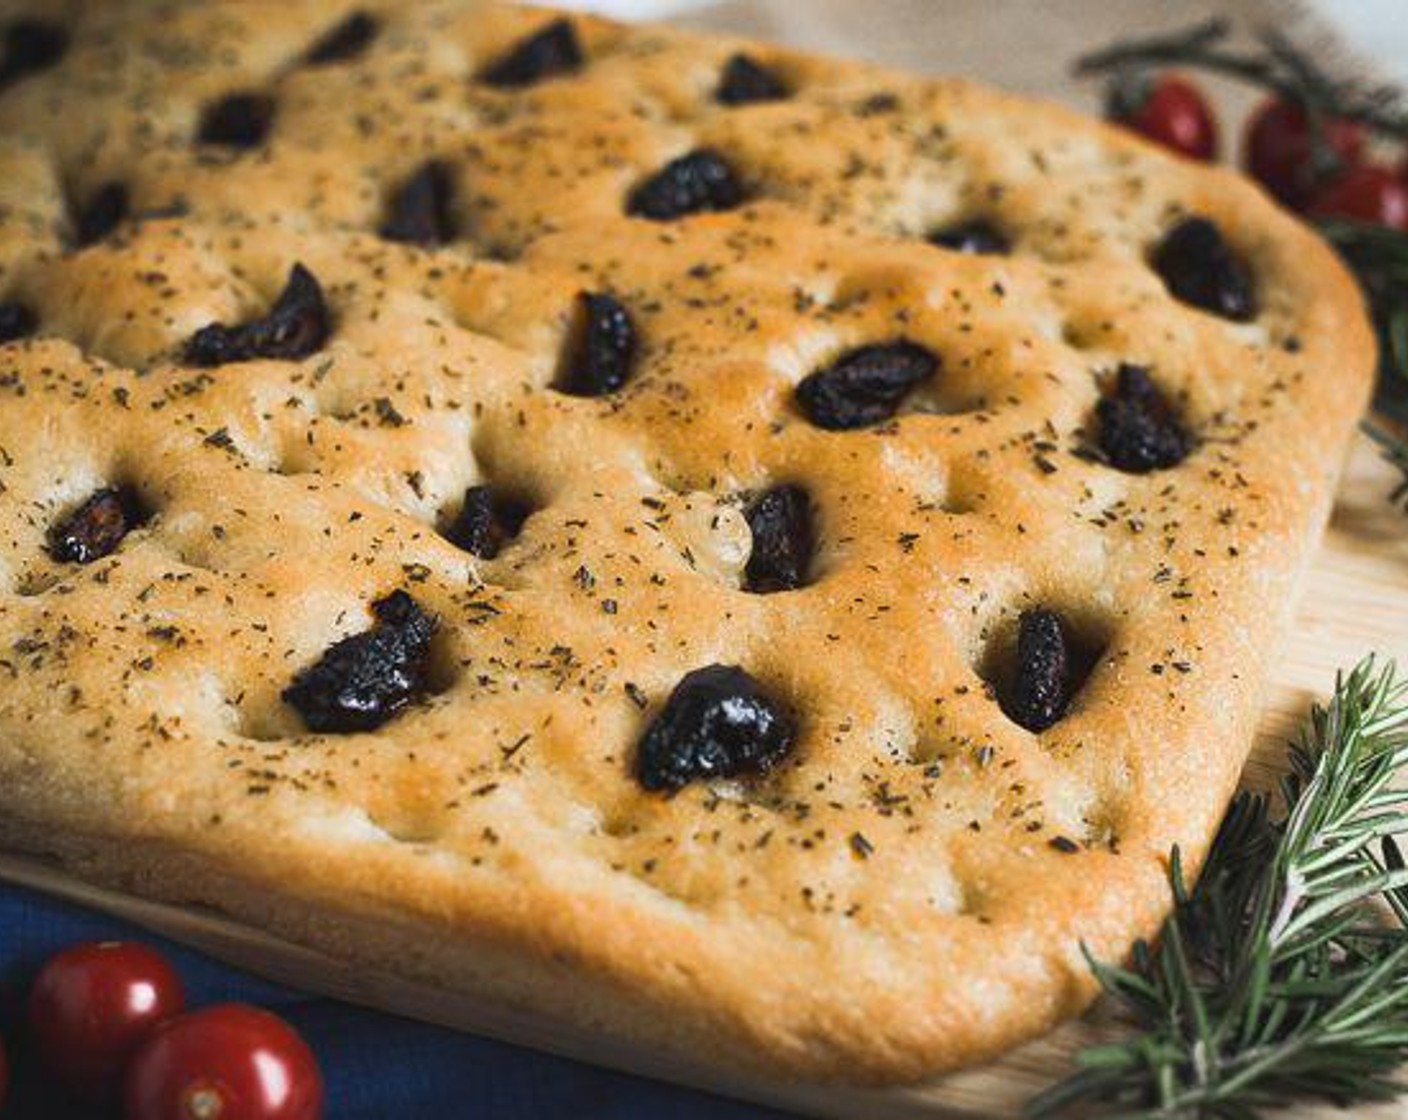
(754, 556)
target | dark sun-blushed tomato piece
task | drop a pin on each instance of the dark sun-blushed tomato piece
(486, 522)
(237, 120)
(31, 45)
(102, 213)
(1140, 431)
(600, 349)
(1200, 268)
(297, 325)
(1041, 685)
(696, 182)
(978, 237)
(363, 680)
(780, 520)
(746, 81)
(717, 723)
(419, 211)
(96, 526)
(865, 386)
(16, 321)
(551, 51)
(343, 41)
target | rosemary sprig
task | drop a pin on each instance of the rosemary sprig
(1274, 65)
(1284, 972)
(1378, 256)
(1395, 450)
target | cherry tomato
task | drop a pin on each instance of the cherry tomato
(1167, 109)
(225, 1062)
(1276, 149)
(92, 1005)
(1368, 193)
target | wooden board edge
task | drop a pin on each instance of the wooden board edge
(311, 970)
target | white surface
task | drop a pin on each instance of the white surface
(1378, 29)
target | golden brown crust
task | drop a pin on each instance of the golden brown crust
(495, 831)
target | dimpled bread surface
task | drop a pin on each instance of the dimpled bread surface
(908, 890)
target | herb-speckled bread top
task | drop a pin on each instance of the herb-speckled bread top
(755, 555)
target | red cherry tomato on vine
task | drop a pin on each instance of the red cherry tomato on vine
(225, 1062)
(1276, 149)
(1367, 193)
(1167, 109)
(93, 1005)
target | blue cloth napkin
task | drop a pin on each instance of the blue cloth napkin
(377, 1067)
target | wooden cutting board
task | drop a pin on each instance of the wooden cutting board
(1355, 601)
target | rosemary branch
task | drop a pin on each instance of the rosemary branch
(1378, 256)
(1284, 972)
(1276, 65)
(1395, 451)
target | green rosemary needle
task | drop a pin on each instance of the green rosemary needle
(1378, 256)
(1284, 972)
